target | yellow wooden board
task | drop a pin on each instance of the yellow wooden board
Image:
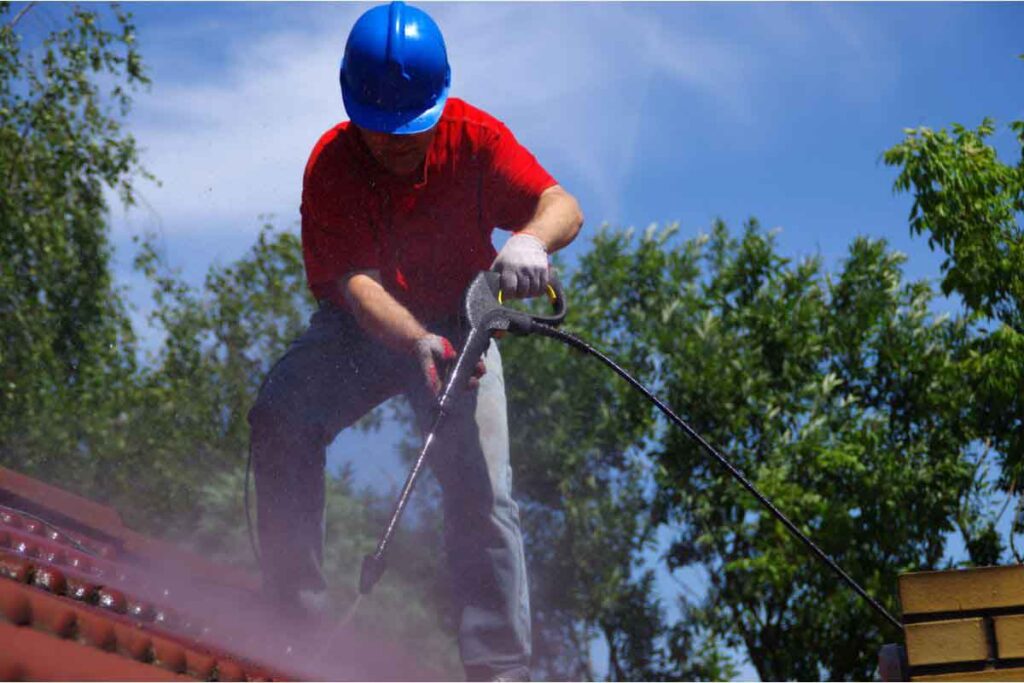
(944, 642)
(1010, 636)
(965, 589)
(986, 675)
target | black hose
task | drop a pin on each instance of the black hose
(52, 527)
(580, 345)
(248, 515)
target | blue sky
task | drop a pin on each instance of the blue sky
(646, 112)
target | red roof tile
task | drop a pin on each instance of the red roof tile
(83, 597)
(30, 655)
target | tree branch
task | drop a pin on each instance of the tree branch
(613, 655)
(1013, 522)
(22, 12)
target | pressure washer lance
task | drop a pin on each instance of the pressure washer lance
(483, 315)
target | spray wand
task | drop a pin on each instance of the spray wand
(482, 317)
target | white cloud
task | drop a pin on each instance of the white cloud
(234, 148)
(572, 80)
(578, 83)
(567, 78)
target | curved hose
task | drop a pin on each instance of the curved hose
(248, 514)
(52, 527)
(580, 345)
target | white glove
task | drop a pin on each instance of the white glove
(523, 265)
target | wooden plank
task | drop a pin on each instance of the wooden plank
(962, 589)
(1015, 674)
(1010, 636)
(945, 642)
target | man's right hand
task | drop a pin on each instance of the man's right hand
(387, 320)
(435, 355)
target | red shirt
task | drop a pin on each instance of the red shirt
(428, 235)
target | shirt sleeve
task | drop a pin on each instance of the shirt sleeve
(337, 237)
(512, 182)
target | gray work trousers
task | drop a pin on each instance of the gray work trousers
(329, 378)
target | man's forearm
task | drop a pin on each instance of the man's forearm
(556, 221)
(379, 314)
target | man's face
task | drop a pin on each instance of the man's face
(399, 154)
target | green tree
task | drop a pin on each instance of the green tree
(838, 395)
(841, 398)
(584, 484)
(66, 347)
(187, 421)
(970, 205)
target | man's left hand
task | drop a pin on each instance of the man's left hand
(523, 266)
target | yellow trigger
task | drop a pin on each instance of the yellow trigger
(551, 293)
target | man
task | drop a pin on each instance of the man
(398, 208)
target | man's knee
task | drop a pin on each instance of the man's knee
(266, 413)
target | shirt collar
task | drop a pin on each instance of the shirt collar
(380, 176)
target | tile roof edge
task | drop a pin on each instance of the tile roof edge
(108, 523)
(68, 660)
(28, 606)
(157, 550)
(89, 513)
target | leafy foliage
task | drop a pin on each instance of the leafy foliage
(971, 204)
(584, 484)
(840, 397)
(66, 361)
(191, 400)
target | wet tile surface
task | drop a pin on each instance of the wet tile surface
(111, 604)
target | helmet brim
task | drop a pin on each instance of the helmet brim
(395, 123)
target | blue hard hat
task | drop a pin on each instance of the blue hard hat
(395, 74)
